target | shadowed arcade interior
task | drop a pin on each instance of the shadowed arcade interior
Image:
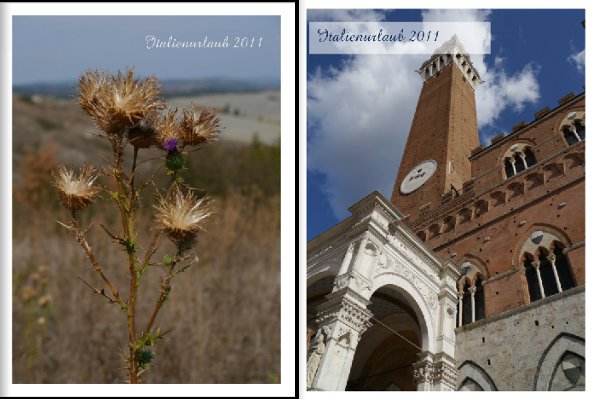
(383, 360)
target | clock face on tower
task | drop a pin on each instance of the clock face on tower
(418, 176)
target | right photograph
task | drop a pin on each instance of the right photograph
(446, 229)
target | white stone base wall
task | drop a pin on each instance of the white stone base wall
(512, 352)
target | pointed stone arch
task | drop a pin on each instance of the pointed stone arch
(552, 355)
(469, 370)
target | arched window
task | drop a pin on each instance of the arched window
(509, 170)
(580, 129)
(573, 127)
(530, 159)
(471, 296)
(547, 274)
(520, 163)
(518, 158)
(466, 305)
(570, 136)
(479, 300)
(532, 278)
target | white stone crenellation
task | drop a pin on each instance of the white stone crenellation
(451, 51)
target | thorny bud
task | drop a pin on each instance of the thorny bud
(168, 260)
(174, 160)
(144, 356)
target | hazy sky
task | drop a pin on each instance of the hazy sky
(60, 48)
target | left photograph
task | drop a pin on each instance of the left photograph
(146, 199)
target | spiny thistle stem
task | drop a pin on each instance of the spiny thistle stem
(128, 111)
(165, 287)
(151, 250)
(80, 238)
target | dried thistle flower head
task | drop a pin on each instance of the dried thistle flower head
(91, 97)
(182, 215)
(28, 292)
(45, 300)
(167, 130)
(197, 130)
(144, 134)
(117, 103)
(76, 191)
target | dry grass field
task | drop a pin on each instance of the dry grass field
(223, 315)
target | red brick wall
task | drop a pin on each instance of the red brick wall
(443, 129)
(493, 240)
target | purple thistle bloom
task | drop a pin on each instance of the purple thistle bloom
(170, 144)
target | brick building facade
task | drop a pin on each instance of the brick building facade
(509, 216)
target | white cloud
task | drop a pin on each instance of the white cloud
(362, 111)
(579, 59)
(356, 15)
(362, 117)
(501, 90)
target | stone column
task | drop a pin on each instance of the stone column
(552, 259)
(574, 131)
(512, 160)
(460, 308)
(445, 339)
(343, 318)
(423, 371)
(523, 156)
(472, 312)
(536, 265)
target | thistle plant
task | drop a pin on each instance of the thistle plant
(132, 117)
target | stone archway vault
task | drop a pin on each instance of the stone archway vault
(375, 248)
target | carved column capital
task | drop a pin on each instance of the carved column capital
(445, 372)
(423, 372)
(552, 258)
(536, 264)
(346, 307)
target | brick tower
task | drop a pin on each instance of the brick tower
(443, 132)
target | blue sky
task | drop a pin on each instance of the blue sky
(356, 133)
(60, 48)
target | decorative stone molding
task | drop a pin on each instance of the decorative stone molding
(445, 372)
(347, 307)
(401, 270)
(360, 283)
(423, 371)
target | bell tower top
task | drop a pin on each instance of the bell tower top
(451, 50)
(443, 133)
